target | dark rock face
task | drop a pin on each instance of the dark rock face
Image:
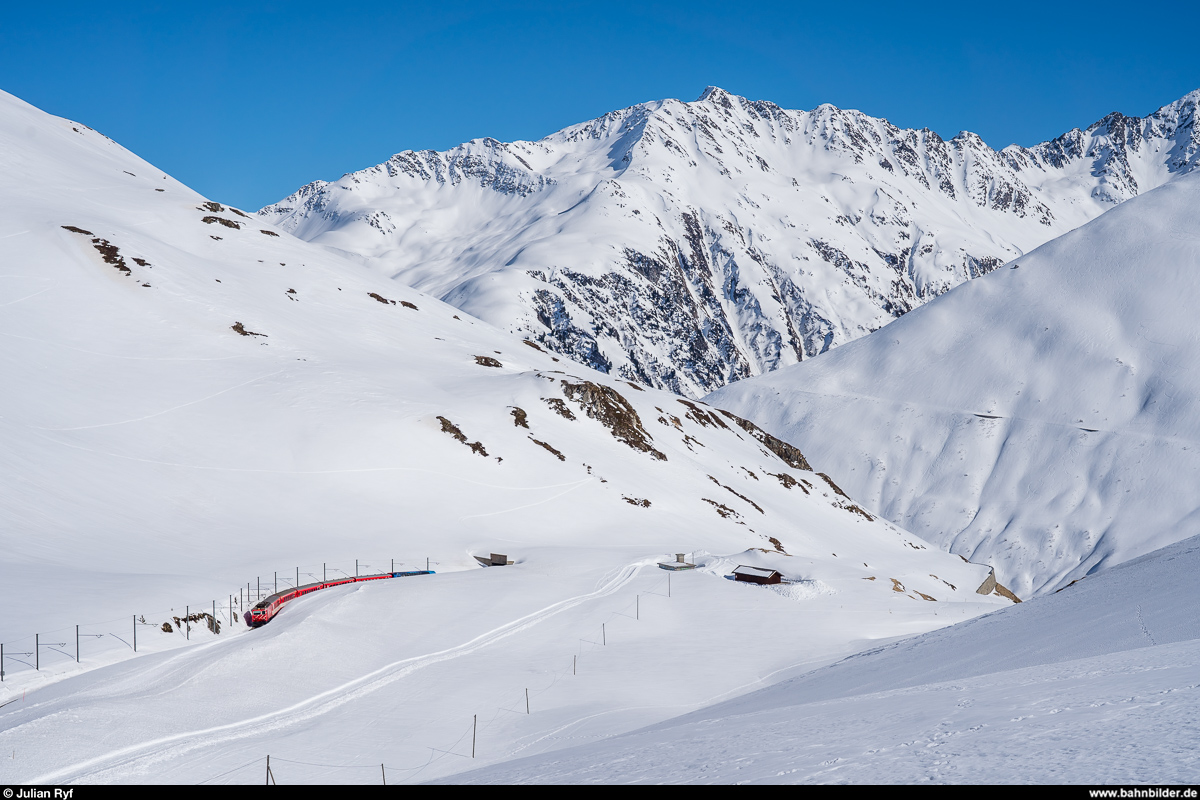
(689, 245)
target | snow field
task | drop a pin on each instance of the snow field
(383, 672)
(1095, 684)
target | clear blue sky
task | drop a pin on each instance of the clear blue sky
(248, 101)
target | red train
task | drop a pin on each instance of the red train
(266, 609)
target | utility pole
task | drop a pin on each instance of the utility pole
(135, 633)
(603, 636)
(187, 623)
(37, 653)
(76, 644)
(527, 701)
(323, 578)
(474, 725)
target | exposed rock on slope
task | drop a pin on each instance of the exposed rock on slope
(688, 245)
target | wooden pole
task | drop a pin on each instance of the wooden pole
(37, 653)
(384, 771)
(574, 659)
(187, 623)
(474, 725)
(1, 661)
(527, 701)
(76, 644)
(603, 636)
(135, 633)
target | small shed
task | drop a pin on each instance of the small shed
(759, 575)
(679, 563)
(494, 560)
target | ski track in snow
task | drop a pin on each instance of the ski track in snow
(178, 744)
(352, 470)
(530, 505)
(164, 411)
(108, 355)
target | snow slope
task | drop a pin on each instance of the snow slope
(688, 245)
(1043, 418)
(194, 402)
(1096, 684)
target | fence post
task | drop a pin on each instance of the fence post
(187, 623)
(297, 577)
(356, 567)
(135, 633)
(1, 661)
(527, 701)
(76, 644)
(603, 636)
(323, 577)
(37, 653)
(384, 771)
(474, 725)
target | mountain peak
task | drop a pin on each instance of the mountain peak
(716, 94)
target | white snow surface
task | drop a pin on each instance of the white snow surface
(688, 245)
(1043, 418)
(1097, 684)
(194, 400)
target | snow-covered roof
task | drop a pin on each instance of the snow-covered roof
(758, 572)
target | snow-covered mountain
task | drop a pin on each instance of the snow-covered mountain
(689, 245)
(1045, 417)
(193, 400)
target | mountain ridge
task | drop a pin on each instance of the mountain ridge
(689, 245)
